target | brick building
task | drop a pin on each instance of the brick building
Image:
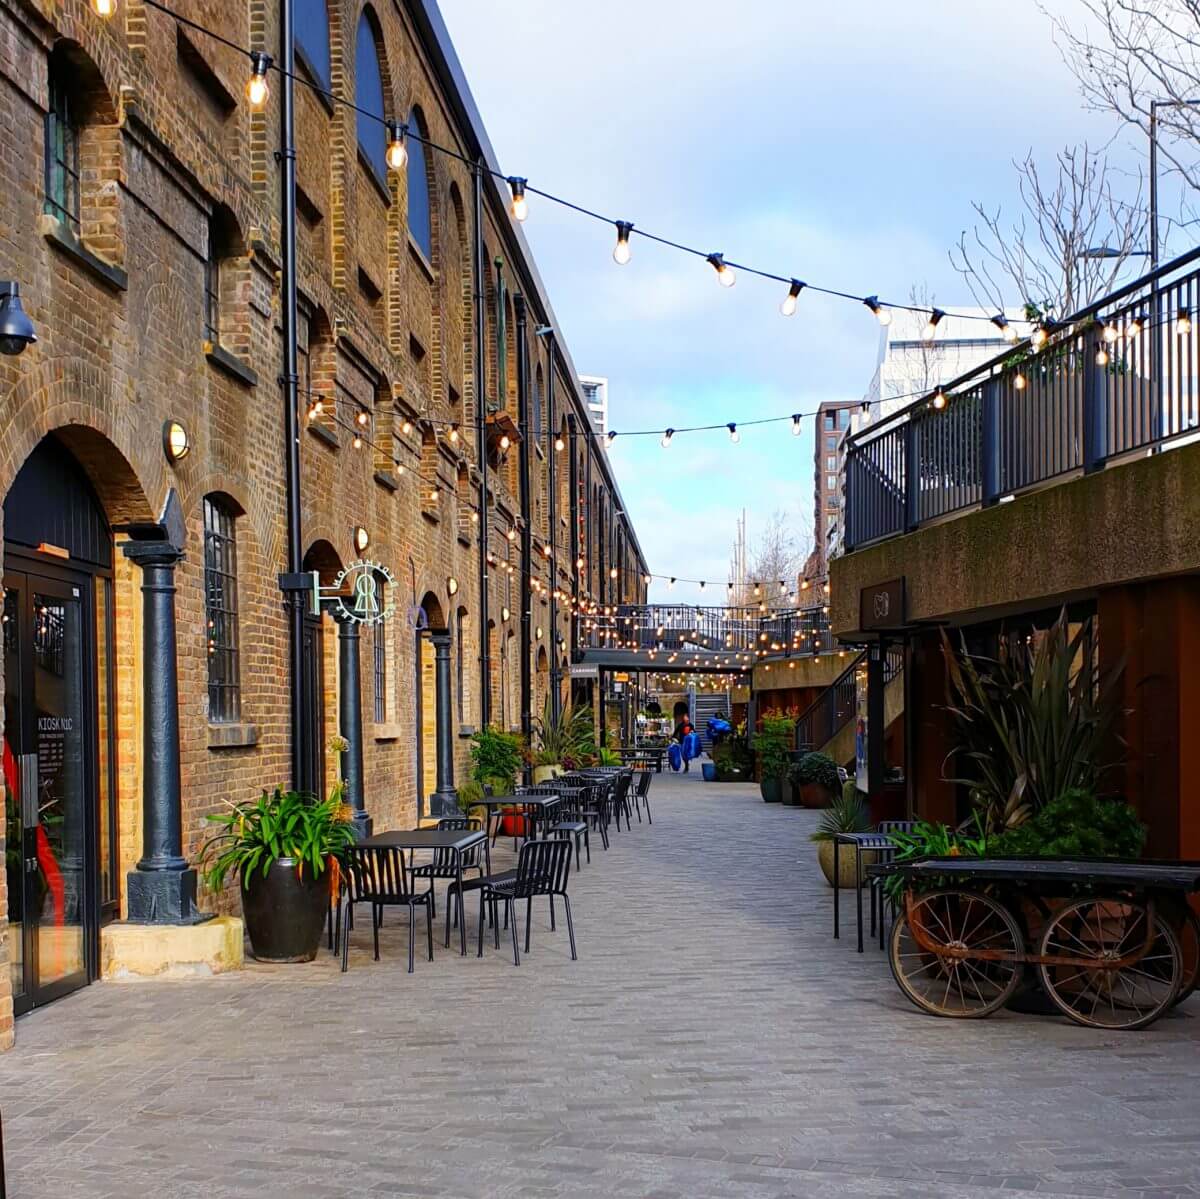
(139, 213)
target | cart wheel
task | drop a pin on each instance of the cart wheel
(1093, 933)
(1188, 933)
(959, 956)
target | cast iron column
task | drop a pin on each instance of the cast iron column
(162, 887)
(551, 440)
(350, 719)
(444, 801)
(526, 530)
(485, 649)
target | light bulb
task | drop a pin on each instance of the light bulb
(1019, 381)
(611, 436)
(520, 206)
(621, 251)
(104, 8)
(725, 274)
(666, 438)
(939, 400)
(1183, 324)
(1111, 332)
(788, 307)
(362, 418)
(612, 574)
(1101, 356)
(454, 434)
(559, 444)
(882, 314)
(796, 425)
(511, 534)
(505, 441)
(1040, 335)
(257, 90)
(1136, 325)
(406, 428)
(734, 435)
(930, 330)
(357, 442)
(397, 152)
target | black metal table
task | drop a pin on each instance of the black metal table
(455, 841)
(542, 803)
(862, 842)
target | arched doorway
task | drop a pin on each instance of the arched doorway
(431, 623)
(59, 755)
(316, 680)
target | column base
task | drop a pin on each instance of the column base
(192, 951)
(364, 826)
(444, 803)
(164, 897)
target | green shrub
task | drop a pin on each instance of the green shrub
(774, 742)
(733, 760)
(1077, 824)
(496, 759)
(847, 814)
(817, 769)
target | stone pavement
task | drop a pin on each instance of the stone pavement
(712, 1040)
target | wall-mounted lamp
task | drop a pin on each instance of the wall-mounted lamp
(504, 614)
(16, 329)
(362, 539)
(452, 585)
(176, 443)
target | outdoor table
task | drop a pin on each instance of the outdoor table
(457, 841)
(543, 804)
(861, 842)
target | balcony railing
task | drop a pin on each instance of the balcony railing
(1119, 378)
(837, 705)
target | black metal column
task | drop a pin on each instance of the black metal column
(162, 887)
(350, 719)
(526, 530)
(552, 475)
(876, 719)
(485, 648)
(444, 801)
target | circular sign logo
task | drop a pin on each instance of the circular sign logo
(365, 592)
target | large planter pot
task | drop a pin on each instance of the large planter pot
(813, 795)
(845, 862)
(285, 912)
(771, 790)
(542, 773)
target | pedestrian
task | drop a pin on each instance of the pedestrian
(682, 729)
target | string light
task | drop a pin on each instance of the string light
(930, 330)
(258, 92)
(1111, 332)
(725, 273)
(1007, 330)
(104, 8)
(795, 427)
(559, 444)
(788, 307)
(454, 435)
(939, 399)
(1041, 334)
(1183, 324)
(396, 154)
(363, 418)
(511, 534)
(735, 437)
(882, 314)
(666, 438)
(621, 251)
(520, 206)
(1136, 325)
(610, 437)
(1019, 381)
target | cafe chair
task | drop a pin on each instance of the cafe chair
(376, 875)
(642, 795)
(542, 869)
(445, 866)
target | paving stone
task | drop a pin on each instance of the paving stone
(712, 1040)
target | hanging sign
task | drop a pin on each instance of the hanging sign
(361, 592)
(881, 606)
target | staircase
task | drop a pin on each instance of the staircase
(706, 704)
(827, 725)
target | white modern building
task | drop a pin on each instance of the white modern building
(595, 395)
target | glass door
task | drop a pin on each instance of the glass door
(49, 782)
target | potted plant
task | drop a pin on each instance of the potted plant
(772, 744)
(816, 778)
(286, 849)
(847, 814)
(733, 761)
(496, 761)
(559, 737)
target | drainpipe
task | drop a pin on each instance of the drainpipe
(552, 476)
(485, 649)
(526, 531)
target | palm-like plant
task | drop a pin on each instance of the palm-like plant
(1033, 723)
(565, 735)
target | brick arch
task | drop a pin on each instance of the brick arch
(79, 26)
(324, 532)
(435, 610)
(77, 400)
(253, 501)
(167, 312)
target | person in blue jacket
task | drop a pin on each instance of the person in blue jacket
(683, 729)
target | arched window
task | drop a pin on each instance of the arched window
(221, 609)
(62, 146)
(312, 38)
(535, 416)
(368, 95)
(420, 226)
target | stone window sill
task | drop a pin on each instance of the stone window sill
(231, 364)
(321, 433)
(388, 732)
(237, 734)
(423, 262)
(63, 240)
(387, 480)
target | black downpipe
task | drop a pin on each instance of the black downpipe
(526, 531)
(573, 509)
(552, 475)
(291, 399)
(485, 648)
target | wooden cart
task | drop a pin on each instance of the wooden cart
(1113, 944)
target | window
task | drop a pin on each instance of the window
(831, 482)
(62, 149)
(831, 462)
(829, 420)
(368, 95)
(379, 669)
(535, 415)
(212, 286)
(420, 227)
(312, 38)
(831, 443)
(460, 670)
(843, 418)
(220, 609)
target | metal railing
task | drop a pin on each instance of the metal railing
(836, 706)
(1120, 377)
(688, 630)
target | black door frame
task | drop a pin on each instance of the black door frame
(313, 703)
(31, 567)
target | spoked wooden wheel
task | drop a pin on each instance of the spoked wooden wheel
(1118, 968)
(956, 953)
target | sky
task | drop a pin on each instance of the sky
(839, 144)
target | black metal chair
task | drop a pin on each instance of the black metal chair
(527, 818)
(641, 795)
(542, 869)
(620, 803)
(445, 862)
(571, 824)
(377, 875)
(596, 808)
(885, 828)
